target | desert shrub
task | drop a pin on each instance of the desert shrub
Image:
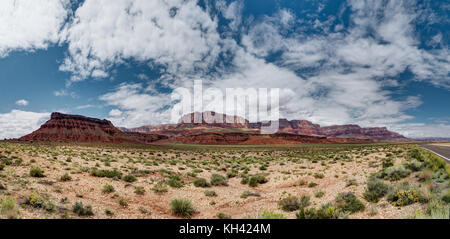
(289, 204)
(217, 180)
(394, 173)
(319, 194)
(312, 184)
(36, 172)
(425, 175)
(414, 165)
(201, 183)
(82, 210)
(160, 188)
(446, 196)
(347, 202)
(210, 193)
(326, 211)
(106, 173)
(139, 190)
(35, 200)
(387, 162)
(266, 214)
(65, 177)
(182, 207)
(403, 195)
(247, 194)
(435, 210)
(223, 216)
(232, 173)
(257, 179)
(2, 166)
(375, 190)
(130, 178)
(175, 182)
(351, 182)
(305, 201)
(8, 207)
(123, 202)
(108, 189)
(244, 180)
(319, 175)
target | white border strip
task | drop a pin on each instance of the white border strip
(437, 154)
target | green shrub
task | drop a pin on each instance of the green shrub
(108, 189)
(182, 207)
(8, 207)
(289, 204)
(247, 194)
(201, 183)
(106, 173)
(375, 190)
(217, 180)
(266, 214)
(319, 194)
(257, 179)
(35, 200)
(65, 177)
(414, 165)
(326, 211)
(223, 216)
(130, 178)
(160, 188)
(347, 202)
(387, 162)
(404, 197)
(394, 173)
(446, 196)
(2, 166)
(210, 193)
(82, 210)
(139, 190)
(123, 202)
(175, 182)
(36, 172)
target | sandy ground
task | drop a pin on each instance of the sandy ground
(284, 179)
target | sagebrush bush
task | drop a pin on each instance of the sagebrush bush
(375, 190)
(175, 182)
(108, 189)
(223, 216)
(201, 183)
(403, 195)
(82, 210)
(65, 177)
(210, 193)
(289, 204)
(395, 173)
(160, 188)
(8, 207)
(267, 214)
(35, 200)
(106, 173)
(130, 178)
(36, 172)
(347, 202)
(326, 211)
(182, 207)
(218, 180)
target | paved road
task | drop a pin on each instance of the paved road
(443, 151)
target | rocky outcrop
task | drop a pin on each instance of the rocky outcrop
(77, 128)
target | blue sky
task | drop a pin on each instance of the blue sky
(372, 63)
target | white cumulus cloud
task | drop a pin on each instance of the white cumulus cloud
(30, 24)
(22, 102)
(18, 123)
